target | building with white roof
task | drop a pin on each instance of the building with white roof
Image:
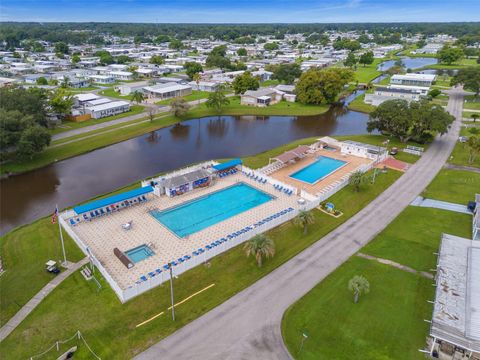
(167, 91)
(456, 312)
(108, 109)
(413, 79)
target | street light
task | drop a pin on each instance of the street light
(171, 290)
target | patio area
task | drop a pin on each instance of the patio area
(105, 233)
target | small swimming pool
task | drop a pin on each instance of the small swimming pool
(208, 210)
(318, 170)
(139, 253)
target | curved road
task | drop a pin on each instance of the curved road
(247, 326)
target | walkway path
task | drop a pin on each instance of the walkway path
(443, 205)
(37, 299)
(247, 326)
(396, 265)
(106, 124)
(460, 167)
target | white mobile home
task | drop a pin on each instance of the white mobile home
(108, 109)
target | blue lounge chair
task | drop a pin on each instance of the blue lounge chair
(97, 213)
(187, 257)
(108, 210)
(151, 274)
(165, 267)
(143, 278)
(180, 260)
(102, 212)
(92, 215)
(158, 271)
(174, 263)
(144, 198)
(85, 217)
(195, 253)
(72, 222)
(208, 247)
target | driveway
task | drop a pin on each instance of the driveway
(247, 326)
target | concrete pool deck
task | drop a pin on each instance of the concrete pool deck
(353, 162)
(103, 234)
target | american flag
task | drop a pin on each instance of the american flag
(55, 215)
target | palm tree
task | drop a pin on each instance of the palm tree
(474, 117)
(138, 96)
(179, 107)
(303, 219)
(217, 99)
(358, 285)
(261, 247)
(65, 82)
(356, 179)
(197, 77)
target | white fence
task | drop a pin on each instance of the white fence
(270, 168)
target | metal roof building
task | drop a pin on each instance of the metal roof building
(456, 312)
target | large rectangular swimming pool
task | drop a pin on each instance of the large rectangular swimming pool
(208, 210)
(318, 170)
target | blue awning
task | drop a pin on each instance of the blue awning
(114, 199)
(228, 164)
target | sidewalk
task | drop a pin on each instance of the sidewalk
(443, 205)
(37, 299)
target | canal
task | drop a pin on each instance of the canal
(32, 195)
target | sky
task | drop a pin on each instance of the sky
(240, 11)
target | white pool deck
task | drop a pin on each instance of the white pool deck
(103, 234)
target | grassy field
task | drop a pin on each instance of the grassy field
(358, 104)
(76, 304)
(112, 93)
(195, 95)
(365, 74)
(413, 237)
(456, 186)
(459, 154)
(24, 254)
(471, 102)
(388, 322)
(459, 65)
(70, 125)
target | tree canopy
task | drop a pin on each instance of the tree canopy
(286, 73)
(449, 55)
(192, 68)
(270, 46)
(469, 77)
(366, 58)
(157, 60)
(419, 121)
(245, 82)
(322, 86)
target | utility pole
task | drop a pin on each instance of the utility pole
(171, 290)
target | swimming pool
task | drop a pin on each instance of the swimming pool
(208, 210)
(318, 170)
(139, 253)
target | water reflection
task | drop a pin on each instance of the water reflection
(32, 195)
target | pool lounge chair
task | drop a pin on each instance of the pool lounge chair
(158, 271)
(165, 267)
(102, 212)
(108, 210)
(97, 213)
(143, 278)
(85, 217)
(151, 274)
(92, 215)
(72, 222)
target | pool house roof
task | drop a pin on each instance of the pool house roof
(298, 152)
(456, 313)
(114, 199)
(187, 178)
(228, 164)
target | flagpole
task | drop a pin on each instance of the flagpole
(61, 237)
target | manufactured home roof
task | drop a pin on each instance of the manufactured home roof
(109, 105)
(456, 313)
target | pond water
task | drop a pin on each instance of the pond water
(408, 63)
(28, 196)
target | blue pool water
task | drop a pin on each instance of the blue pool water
(213, 208)
(317, 170)
(139, 253)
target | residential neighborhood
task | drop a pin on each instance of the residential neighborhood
(205, 180)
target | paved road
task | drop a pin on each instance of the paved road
(247, 326)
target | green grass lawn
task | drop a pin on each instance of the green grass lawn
(24, 253)
(442, 82)
(195, 95)
(413, 237)
(268, 83)
(388, 322)
(112, 93)
(358, 104)
(385, 324)
(459, 65)
(471, 102)
(76, 305)
(457, 186)
(365, 74)
(80, 90)
(459, 154)
(70, 125)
